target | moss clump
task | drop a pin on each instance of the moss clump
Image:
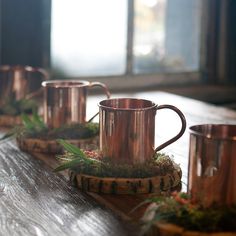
(16, 107)
(73, 131)
(34, 127)
(93, 163)
(179, 210)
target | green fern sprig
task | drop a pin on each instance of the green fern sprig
(30, 125)
(74, 157)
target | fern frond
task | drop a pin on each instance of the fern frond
(71, 148)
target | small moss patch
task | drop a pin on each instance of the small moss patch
(16, 107)
(33, 127)
(73, 131)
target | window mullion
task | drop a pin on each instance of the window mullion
(130, 38)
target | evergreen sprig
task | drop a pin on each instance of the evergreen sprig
(30, 125)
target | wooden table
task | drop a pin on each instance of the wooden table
(36, 201)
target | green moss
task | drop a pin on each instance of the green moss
(34, 127)
(100, 166)
(73, 131)
(16, 107)
(178, 210)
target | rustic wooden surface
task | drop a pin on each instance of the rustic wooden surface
(36, 201)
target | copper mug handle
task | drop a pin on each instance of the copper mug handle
(106, 90)
(181, 132)
(40, 90)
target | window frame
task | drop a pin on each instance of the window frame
(214, 65)
(131, 80)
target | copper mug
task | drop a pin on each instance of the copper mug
(18, 82)
(212, 164)
(65, 101)
(127, 129)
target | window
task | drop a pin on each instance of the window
(126, 37)
(145, 42)
(166, 35)
(89, 37)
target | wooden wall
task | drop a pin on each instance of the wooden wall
(22, 32)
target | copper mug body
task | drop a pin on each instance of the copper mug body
(127, 129)
(18, 82)
(212, 164)
(65, 101)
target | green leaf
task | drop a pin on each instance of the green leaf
(71, 148)
(36, 119)
(69, 164)
(29, 125)
(79, 157)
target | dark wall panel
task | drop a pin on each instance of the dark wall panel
(22, 32)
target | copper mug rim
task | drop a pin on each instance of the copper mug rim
(65, 83)
(147, 106)
(20, 67)
(224, 135)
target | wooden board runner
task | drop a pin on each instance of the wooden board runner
(122, 204)
(10, 121)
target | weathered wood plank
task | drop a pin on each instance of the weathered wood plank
(36, 201)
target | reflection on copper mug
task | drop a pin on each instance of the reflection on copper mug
(18, 82)
(127, 129)
(65, 101)
(212, 164)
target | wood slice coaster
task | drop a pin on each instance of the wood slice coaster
(164, 229)
(109, 185)
(9, 121)
(33, 145)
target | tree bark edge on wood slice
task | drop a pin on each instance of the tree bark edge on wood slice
(10, 121)
(163, 229)
(110, 185)
(33, 145)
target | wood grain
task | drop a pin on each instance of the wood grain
(9, 121)
(36, 201)
(118, 186)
